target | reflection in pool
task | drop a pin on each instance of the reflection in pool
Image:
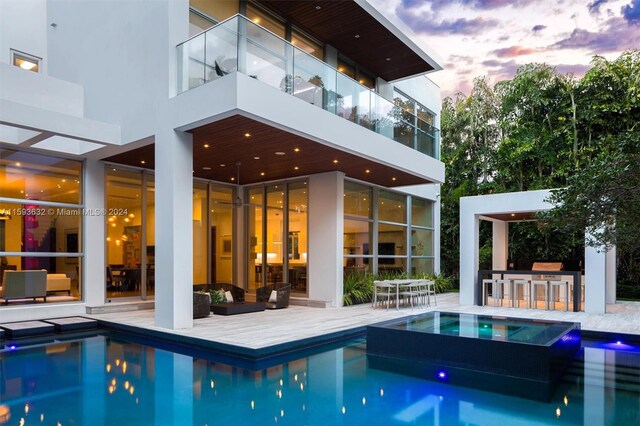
(112, 379)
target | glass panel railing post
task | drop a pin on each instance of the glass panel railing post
(242, 45)
(288, 67)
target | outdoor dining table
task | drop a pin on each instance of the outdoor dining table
(400, 282)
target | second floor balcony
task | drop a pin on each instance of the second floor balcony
(239, 45)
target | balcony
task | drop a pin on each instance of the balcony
(239, 45)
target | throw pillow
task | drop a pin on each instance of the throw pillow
(229, 296)
(273, 298)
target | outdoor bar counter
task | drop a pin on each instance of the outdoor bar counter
(577, 283)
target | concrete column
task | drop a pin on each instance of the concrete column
(500, 245)
(174, 230)
(436, 232)
(469, 247)
(595, 275)
(326, 223)
(94, 271)
(610, 288)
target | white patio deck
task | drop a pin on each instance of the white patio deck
(272, 327)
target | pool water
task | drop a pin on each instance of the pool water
(111, 379)
(517, 330)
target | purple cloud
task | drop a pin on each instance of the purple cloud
(513, 51)
(463, 26)
(577, 70)
(475, 4)
(631, 12)
(537, 28)
(615, 37)
(594, 8)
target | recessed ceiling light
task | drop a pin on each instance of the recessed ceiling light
(143, 162)
(335, 161)
(206, 168)
(318, 7)
(367, 171)
(206, 145)
(247, 135)
(223, 165)
(393, 178)
(357, 36)
(256, 158)
(18, 164)
(296, 168)
(296, 149)
(232, 178)
(262, 173)
(513, 214)
(279, 153)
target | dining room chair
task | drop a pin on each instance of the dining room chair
(383, 291)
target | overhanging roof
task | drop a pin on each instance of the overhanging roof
(383, 47)
(268, 154)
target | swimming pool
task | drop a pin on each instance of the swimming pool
(113, 379)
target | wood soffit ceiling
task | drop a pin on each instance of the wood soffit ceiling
(218, 146)
(337, 23)
(513, 217)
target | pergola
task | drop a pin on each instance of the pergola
(500, 209)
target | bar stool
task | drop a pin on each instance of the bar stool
(552, 298)
(534, 299)
(485, 292)
(526, 292)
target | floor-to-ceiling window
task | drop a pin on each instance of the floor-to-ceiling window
(131, 232)
(124, 222)
(358, 228)
(298, 203)
(277, 235)
(41, 223)
(386, 231)
(222, 235)
(392, 231)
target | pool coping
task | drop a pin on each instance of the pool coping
(252, 356)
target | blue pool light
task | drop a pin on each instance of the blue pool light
(442, 376)
(12, 347)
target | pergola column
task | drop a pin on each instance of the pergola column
(500, 244)
(469, 242)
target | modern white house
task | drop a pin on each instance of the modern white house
(149, 146)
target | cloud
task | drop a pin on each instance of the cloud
(537, 28)
(631, 12)
(594, 8)
(427, 25)
(513, 51)
(474, 4)
(615, 37)
(577, 70)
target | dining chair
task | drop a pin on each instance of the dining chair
(383, 290)
(410, 291)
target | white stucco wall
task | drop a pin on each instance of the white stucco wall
(122, 53)
(23, 27)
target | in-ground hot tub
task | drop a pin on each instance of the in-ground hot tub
(515, 356)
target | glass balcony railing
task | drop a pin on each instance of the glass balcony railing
(238, 44)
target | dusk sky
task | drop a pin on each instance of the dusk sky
(494, 37)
